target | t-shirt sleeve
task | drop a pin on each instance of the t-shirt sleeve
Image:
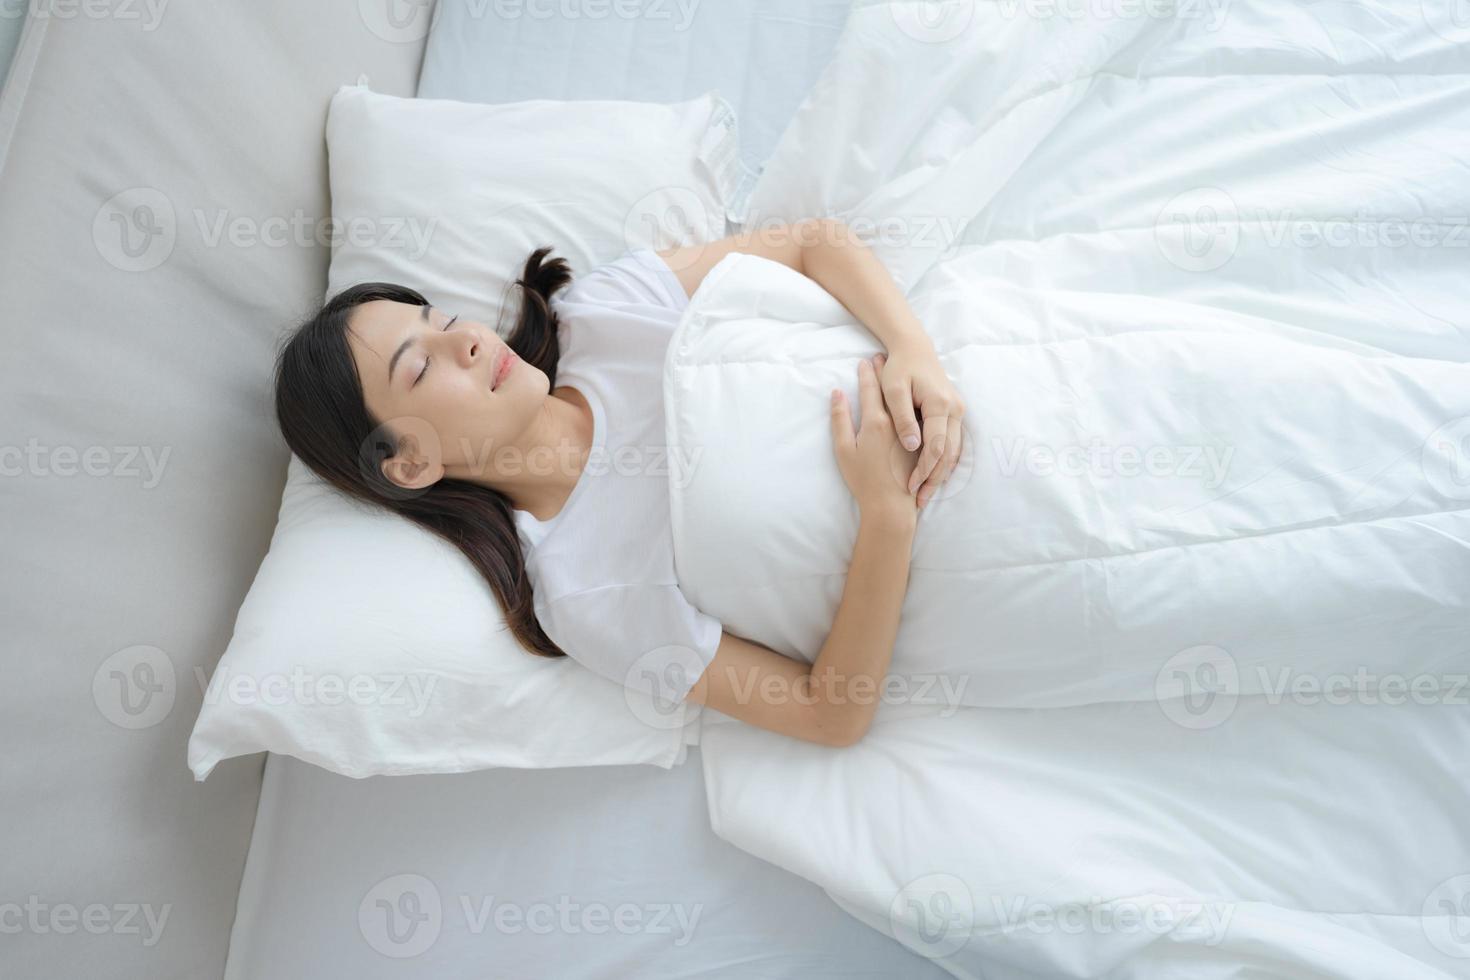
(640, 278)
(643, 636)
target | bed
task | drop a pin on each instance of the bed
(732, 864)
(591, 838)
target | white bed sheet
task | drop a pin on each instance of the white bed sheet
(533, 842)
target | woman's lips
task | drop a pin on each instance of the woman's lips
(507, 361)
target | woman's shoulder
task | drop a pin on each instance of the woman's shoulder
(639, 277)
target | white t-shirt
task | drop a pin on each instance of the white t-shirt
(602, 569)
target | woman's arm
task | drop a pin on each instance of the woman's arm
(832, 700)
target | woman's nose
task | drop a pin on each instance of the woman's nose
(469, 349)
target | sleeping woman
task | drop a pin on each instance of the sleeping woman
(542, 458)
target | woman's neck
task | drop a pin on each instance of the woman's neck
(552, 454)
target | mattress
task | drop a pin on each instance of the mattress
(761, 55)
(607, 871)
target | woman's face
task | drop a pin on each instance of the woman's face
(431, 377)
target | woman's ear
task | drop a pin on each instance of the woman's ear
(411, 467)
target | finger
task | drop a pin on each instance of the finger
(899, 395)
(936, 429)
(842, 433)
(953, 446)
(942, 472)
(870, 402)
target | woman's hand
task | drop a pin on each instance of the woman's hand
(913, 378)
(874, 465)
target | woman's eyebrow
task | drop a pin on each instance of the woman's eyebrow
(392, 361)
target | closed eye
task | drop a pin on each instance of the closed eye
(427, 358)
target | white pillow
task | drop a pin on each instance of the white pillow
(451, 197)
(367, 645)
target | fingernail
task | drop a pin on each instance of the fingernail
(911, 442)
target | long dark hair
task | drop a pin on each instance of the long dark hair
(324, 417)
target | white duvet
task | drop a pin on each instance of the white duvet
(1180, 686)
